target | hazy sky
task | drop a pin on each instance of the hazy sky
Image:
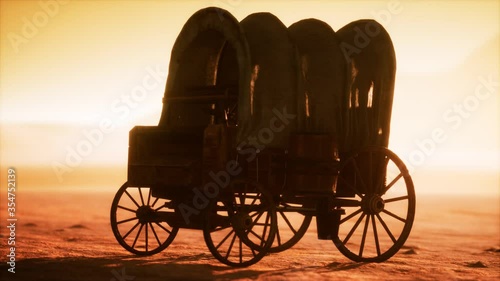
(67, 66)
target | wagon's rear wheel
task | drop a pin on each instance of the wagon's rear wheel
(135, 221)
(292, 225)
(240, 224)
(378, 224)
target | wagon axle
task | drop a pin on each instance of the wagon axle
(242, 221)
(145, 214)
(372, 204)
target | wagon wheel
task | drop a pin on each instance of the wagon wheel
(135, 221)
(292, 226)
(378, 220)
(240, 224)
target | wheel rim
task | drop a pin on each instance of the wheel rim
(377, 226)
(291, 228)
(134, 222)
(240, 225)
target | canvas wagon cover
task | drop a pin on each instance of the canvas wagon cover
(264, 71)
(324, 77)
(195, 63)
(368, 48)
(274, 81)
(296, 71)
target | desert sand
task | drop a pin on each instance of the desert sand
(67, 236)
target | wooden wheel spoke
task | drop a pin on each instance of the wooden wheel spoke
(224, 239)
(256, 213)
(126, 220)
(375, 234)
(230, 246)
(288, 233)
(265, 224)
(142, 198)
(265, 229)
(154, 233)
(241, 250)
(392, 183)
(146, 235)
(253, 252)
(257, 235)
(350, 216)
(130, 231)
(159, 208)
(162, 227)
(380, 181)
(256, 220)
(137, 236)
(154, 202)
(261, 224)
(288, 222)
(394, 216)
(278, 237)
(131, 198)
(396, 199)
(386, 228)
(363, 239)
(353, 229)
(125, 208)
(149, 196)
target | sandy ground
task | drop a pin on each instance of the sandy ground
(67, 236)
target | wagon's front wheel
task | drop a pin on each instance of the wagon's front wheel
(135, 221)
(379, 218)
(240, 224)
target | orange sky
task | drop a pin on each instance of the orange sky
(66, 66)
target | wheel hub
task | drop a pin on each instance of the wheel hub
(144, 214)
(373, 204)
(242, 221)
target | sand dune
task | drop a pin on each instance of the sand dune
(67, 236)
